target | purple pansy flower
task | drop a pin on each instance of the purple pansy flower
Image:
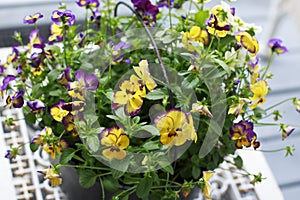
(88, 3)
(32, 19)
(36, 106)
(6, 81)
(36, 40)
(145, 8)
(11, 153)
(16, 101)
(286, 130)
(275, 45)
(214, 22)
(66, 17)
(65, 77)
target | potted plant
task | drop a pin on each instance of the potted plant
(147, 104)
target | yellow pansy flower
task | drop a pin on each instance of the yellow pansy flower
(175, 128)
(53, 175)
(117, 141)
(248, 42)
(259, 90)
(205, 185)
(143, 73)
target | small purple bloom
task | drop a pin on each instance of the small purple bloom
(128, 61)
(232, 10)
(275, 45)
(11, 153)
(66, 17)
(16, 101)
(145, 8)
(32, 19)
(65, 77)
(122, 45)
(36, 106)
(165, 3)
(36, 40)
(88, 3)
(90, 81)
(286, 131)
(6, 81)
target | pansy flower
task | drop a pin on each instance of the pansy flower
(57, 111)
(42, 137)
(275, 45)
(7, 79)
(237, 108)
(248, 42)
(65, 77)
(53, 175)
(144, 75)
(36, 106)
(296, 103)
(216, 27)
(32, 19)
(244, 135)
(88, 3)
(131, 96)
(165, 3)
(12, 153)
(65, 17)
(205, 185)
(286, 130)
(57, 32)
(203, 109)
(82, 83)
(16, 101)
(11, 58)
(55, 148)
(35, 40)
(175, 127)
(145, 8)
(259, 90)
(116, 140)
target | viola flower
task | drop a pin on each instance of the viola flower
(16, 101)
(296, 103)
(248, 42)
(145, 8)
(55, 148)
(42, 137)
(36, 106)
(259, 90)
(131, 95)
(65, 77)
(205, 185)
(35, 40)
(203, 109)
(275, 45)
(237, 108)
(88, 3)
(144, 75)
(244, 135)
(57, 32)
(53, 175)
(216, 27)
(12, 153)
(32, 19)
(82, 83)
(7, 79)
(175, 128)
(57, 111)
(11, 58)
(197, 34)
(286, 130)
(165, 3)
(116, 141)
(68, 122)
(65, 17)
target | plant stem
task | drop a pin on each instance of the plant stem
(102, 188)
(277, 104)
(84, 167)
(268, 65)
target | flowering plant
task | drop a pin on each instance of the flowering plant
(141, 106)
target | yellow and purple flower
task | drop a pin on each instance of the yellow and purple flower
(53, 175)
(237, 108)
(248, 42)
(65, 17)
(12, 153)
(142, 71)
(83, 82)
(116, 140)
(146, 8)
(216, 27)
(244, 135)
(276, 47)
(286, 130)
(36, 106)
(259, 90)
(65, 77)
(7, 79)
(203, 109)
(175, 127)
(205, 185)
(88, 3)
(57, 111)
(32, 19)
(16, 101)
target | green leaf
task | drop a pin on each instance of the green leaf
(201, 16)
(36, 90)
(87, 178)
(152, 145)
(223, 65)
(67, 155)
(169, 169)
(55, 93)
(157, 94)
(113, 117)
(238, 161)
(151, 129)
(110, 183)
(34, 147)
(144, 187)
(53, 74)
(116, 173)
(30, 118)
(93, 142)
(196, 172)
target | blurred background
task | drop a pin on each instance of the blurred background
(277, 18)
